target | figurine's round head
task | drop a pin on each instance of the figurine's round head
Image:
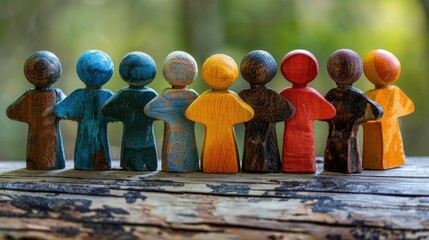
(137, 69)
(42, 69)
(381, 67)
(180, 69)
(299, 67)
(220, 71)
(258, 67)
(94, 68)
(344, 67)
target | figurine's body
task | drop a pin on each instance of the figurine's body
(299, 156)
(179, 149)
(138, 150)
(353, 108)
(36, 107)
(261, 152)
(219, 110)
(382, 141)
(92, 151)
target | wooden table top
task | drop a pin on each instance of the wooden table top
(116, 204)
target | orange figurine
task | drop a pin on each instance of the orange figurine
(219, 109)
(382, 141)
(300, 67)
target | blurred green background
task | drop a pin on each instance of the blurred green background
(204, 27)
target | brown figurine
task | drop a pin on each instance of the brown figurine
(353, 108)
(261, 152)
(36, 107)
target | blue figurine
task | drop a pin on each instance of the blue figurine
(179, 150)
(138, 140)
(92, 150)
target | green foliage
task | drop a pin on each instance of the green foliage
(204, 27)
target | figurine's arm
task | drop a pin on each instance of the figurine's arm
(156, 108)
(373, 111)
(70, 107)
(321, 107)
(106, 95)
(60, 95)
(405, 106)
(193, 112)
(243, 112)
(113, 107)
(285, 110)
(18, 110)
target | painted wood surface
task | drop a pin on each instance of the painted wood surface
(179, 148)
(92, 150)
(261, 151)
(36, 108)
(382, 140)
(353, 108)
(300, 67)
(67, 204)
(219, 110)
(138, 148)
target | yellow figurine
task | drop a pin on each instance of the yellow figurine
(382, 141)
(219, 110)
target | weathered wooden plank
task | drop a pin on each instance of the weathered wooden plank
(47, 229)
(160, 209)
(214, 184)
(339, 184)
(155, 205)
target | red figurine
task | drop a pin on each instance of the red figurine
(300, 67)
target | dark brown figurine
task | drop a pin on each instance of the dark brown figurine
(353, 108)
(261, 152)
(36, 107)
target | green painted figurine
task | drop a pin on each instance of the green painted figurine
(138, 150)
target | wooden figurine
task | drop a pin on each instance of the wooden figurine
(219, 109)
(300, 67)
(261, 152)
(353, 108)
(138, 150)
(36, 107)
(92, 150)
(179, 149)
(382, 141)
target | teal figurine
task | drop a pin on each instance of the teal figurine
(179, 150)
(138, 150)
(36, 107)
(92, 151)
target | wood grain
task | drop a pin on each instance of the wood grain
(115, 204)
(179, 149)
(261, 151)
(92, 150)
(138, 148)
(36, 108)
(219, 110)
(300, 67)
(382, 140)
(353, 107)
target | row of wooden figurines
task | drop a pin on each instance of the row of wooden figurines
(259, 108)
